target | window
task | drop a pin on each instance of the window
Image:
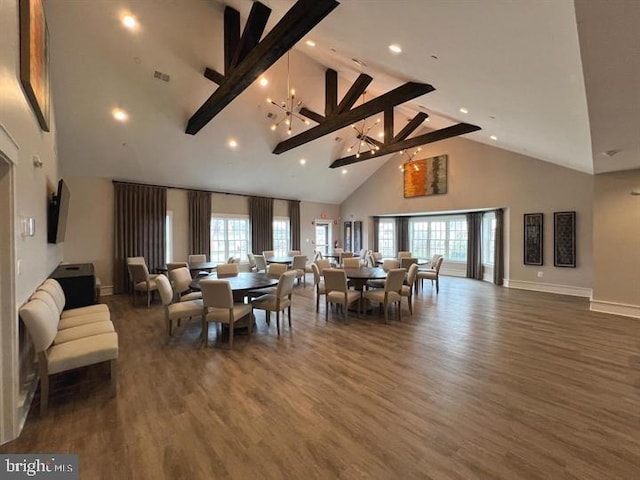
(387, 237)
(281, 236)
(168, 236)
(488, 237)
(229, 237)
(443, 235)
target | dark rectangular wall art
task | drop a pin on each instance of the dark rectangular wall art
(564, 239)
(357, 236)
(533, 238)
(348, 245)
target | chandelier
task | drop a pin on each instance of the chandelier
(409, 162)
(287, 107)
(363, 141)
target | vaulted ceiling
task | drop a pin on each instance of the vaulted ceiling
(516, 67)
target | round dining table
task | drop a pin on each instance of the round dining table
(193, 267)
(359, 278)
(287, 260)
(241, 284)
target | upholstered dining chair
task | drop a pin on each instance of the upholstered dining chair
(317, 255)
(337, 291)
(406, 262)
(142, 281)
(293, 253)
(344, 255)
(318, 284)
(299, 266)
(387, 265)
(431, 274)
(403, 254)
(324, 264)
(219, 307)
(261, 265)
(268, 254)
(227, 270)
(278, 301)
(176, 311)
(353, 262)
(276, 269)
(391, 292)
(180, 280)
(197, 258)
(252, 261)
(408, 286)
(174, 265)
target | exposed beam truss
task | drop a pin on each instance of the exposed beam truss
(337, 116)
(246, 57)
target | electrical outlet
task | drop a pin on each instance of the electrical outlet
(540, 274)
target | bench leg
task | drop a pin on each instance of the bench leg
(114, 377)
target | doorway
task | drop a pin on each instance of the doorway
(323, 236)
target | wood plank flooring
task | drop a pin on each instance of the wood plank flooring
(482, 382)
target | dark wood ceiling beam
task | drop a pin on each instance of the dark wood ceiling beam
(408, 129)
(252, 32)
(388, 124)
(398, 95)
(372, 140)
(215, 77)
(331, 92)
(310, 114)
(296, 23)
(352, 96)
(431, 137)
(231, 37)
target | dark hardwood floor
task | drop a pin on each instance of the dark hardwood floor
(482, 382)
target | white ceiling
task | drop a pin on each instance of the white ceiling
(516, 61)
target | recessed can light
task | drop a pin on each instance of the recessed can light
(493, 137)
(263, 82)
(464, 110)
(130, 22)
(395, 48)
(302, 161)
(232, 143)
(344, 171)
(120, 115)
(310, 43)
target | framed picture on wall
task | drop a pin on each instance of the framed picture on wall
(533, 238)
(564, 239)
(348, 234)
(357, 236)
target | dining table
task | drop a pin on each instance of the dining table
(359, 278)
(284, 259)
(241, 284)
(194, 267)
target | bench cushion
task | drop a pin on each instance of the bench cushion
(91, 309)
(82, 331)
(82, 352)
(41, 323)
(70, 322)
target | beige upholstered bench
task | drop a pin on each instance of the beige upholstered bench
(65, 340)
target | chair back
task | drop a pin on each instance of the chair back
(285, 285)
(276, 269)
(197, 258)
(216, 293)
(180, 278)
(351, 262)
(233, 259)
(370, 260)
(412, 274)
(403, 254)
(299, 262)
(164, 287)
(317, 255)
(338, 251)
(174, 265)
(389, 264)
(139, 272)
(376, 256)
(261, 265)
(434, 260)
(252, 260)
(316, 273)
(362, 254)
(268, 254)
(395, 279)
(335, 279)
(323, 264)
(293, 253)
(439, 262)
(227, 270)
(134, 260)
(406, 262)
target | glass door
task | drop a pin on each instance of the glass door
(323, 236)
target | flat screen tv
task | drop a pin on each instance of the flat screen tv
(58, 211)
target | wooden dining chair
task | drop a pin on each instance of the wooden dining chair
(227, 270)
(197, 258)
(180, 280)
(337, 291)
(219, 307)
(142, 281)
(391, 292)
(278, 301)
(176, 311)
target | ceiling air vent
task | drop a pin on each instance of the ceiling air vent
(161, 76)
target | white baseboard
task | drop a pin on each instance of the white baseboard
(615, 308)
(549, 288)
(106, 291)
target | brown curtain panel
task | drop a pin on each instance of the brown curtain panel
(474, 245)
(261, 218)
(376, 228)
(294, 223)
(498, 253)
(402, 234)
(199, 223)
(140, 213)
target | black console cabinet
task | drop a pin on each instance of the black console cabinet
(78, 282)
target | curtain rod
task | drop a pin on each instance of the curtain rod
(202, 190)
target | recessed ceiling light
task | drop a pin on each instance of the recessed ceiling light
(395, 48)
(130, 22)
(120, 115)
(310, 43)
(263, 82)
(381, 135)
(493, 137)
(232, 143)
(344, 171)
(302, 161)
(464, 110)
